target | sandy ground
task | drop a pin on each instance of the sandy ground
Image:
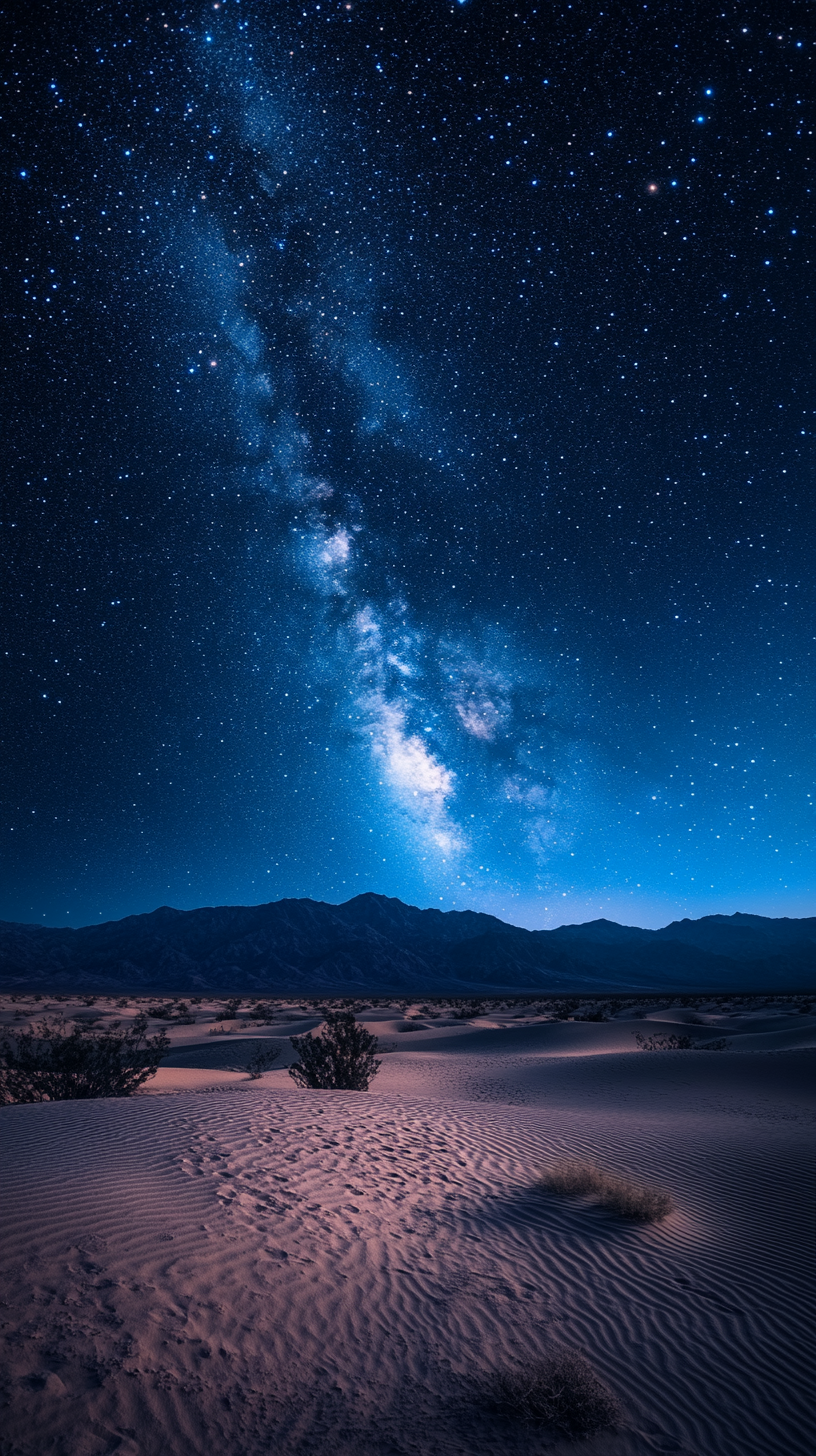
(255, 1269)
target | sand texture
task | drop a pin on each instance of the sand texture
(255, 1269)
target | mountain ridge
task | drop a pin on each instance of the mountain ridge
(376, 943)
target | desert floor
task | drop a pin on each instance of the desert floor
(222, 1265)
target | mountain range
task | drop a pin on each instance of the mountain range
(374, 944)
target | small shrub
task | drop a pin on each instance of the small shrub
(231, 1008)
(178, 1012)
(561, 1390)
(640, 1202)
(663, 1043)
(52, 1064)
(563, 1010)
(341, 1058)
(261, 1059)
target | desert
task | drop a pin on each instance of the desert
(407, 933)
(229, 1262)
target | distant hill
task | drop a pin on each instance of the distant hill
(374, 944)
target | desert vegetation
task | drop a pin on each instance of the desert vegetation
(174, 1008)
(561, 1390)
(261, 1059)
(670, 1042)
(178, 1012)
(343, 1057)
(52, 1063)
(640, 1202)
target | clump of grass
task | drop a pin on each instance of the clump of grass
(560, 1390)
(641, 1202)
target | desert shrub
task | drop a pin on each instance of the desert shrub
(177, 1011)
(562, 1010)
(51, 1063)
(664, 1043)
(342, 1057)
(261, 1012)
(561, 1390)
(673, 1043)
(641, 1202)
(464, 1011)
(231, 1008)
(261, 1059)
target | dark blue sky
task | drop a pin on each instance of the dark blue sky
(408, 458)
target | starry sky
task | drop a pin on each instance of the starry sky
(407, 456)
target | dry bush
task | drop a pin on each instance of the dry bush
(342, 1057)
(560, 1390)
(664, 1042)
(50, 1063)
(672, 1043)
(261, 1059)
(262, 1012)
(641, 1202)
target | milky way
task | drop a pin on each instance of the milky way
(408, 459)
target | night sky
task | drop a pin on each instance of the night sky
(407, 457)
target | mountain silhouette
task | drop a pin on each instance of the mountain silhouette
(374, 944)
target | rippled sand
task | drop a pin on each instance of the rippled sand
(254, 1269)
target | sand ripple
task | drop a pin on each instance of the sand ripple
(308, 1272)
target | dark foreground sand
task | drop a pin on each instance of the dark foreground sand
(254, 1269)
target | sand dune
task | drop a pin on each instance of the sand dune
(258, 1269)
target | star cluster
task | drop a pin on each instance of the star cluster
(408, 458)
